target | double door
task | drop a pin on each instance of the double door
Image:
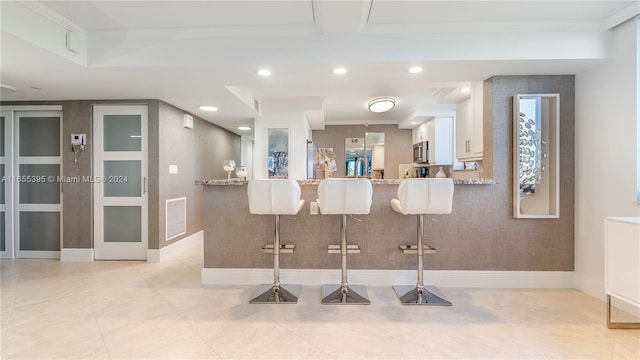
(30, 190)
(31, 187)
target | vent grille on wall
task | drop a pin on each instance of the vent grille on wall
(176, 217)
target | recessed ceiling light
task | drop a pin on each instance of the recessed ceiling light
(415, 70)
(208, 108)
(339, 71)
(413, 123)
(465, 89)
(244, 128)
(264, 72)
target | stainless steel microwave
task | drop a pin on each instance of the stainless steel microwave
(421, 152)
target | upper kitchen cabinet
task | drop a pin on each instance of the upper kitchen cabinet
(440, 138)
(419, 133)
(438, 133)
(469, 128)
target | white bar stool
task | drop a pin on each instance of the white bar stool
(344, 197)
(275, 197)
(420, 197)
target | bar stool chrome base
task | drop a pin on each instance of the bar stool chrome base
(420, 294)
(347, 295)
(428, 295)
(278, 294)
(344, 294)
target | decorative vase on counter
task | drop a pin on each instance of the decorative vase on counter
(441, 174)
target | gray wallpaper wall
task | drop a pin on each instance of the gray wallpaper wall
(486, 236)
(398, 148)
(480, 234)
(77, 208)
(198, 153)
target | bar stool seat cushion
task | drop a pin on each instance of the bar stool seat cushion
(274, 197)
(424, 196)
(345, 196)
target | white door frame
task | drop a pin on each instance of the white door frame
(7, 207)
(18, 160)
(114, 250)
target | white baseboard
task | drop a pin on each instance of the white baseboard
(178, 247)
(443, 278)
(595, 288)
(590, 286)
(83, 255)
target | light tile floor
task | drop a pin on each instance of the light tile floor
(136, 310)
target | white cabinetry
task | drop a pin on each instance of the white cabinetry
(419, 133)
(439, 133)
(377, 157)
(440, 138)
(469, 125)
(622, 264)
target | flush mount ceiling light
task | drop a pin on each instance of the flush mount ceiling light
(208, 108)
(465, 90)
(382, 104)
(264, 72)
(415, 69)
(244, 128)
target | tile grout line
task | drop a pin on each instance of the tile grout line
(191, 327)
(95, 317)
(178, 313)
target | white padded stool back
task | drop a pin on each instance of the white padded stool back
(345, 196)
(274, 197)
(424, 196)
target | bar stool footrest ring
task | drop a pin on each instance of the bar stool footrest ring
(284, 249)
(413, 249)
(351, 249)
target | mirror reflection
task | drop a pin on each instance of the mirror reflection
(278, 153)
(536, 155)
(374, 143)
(354, 156)
(364, 157)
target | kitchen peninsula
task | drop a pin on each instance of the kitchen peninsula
(233, 238)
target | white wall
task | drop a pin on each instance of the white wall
(606, 148)
(246, 156)
(298, 128)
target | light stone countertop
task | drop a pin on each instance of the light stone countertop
(237, 181)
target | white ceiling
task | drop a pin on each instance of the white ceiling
(190, 53)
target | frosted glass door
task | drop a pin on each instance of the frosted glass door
(37, 192)
(6, 187)
(120, 190)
